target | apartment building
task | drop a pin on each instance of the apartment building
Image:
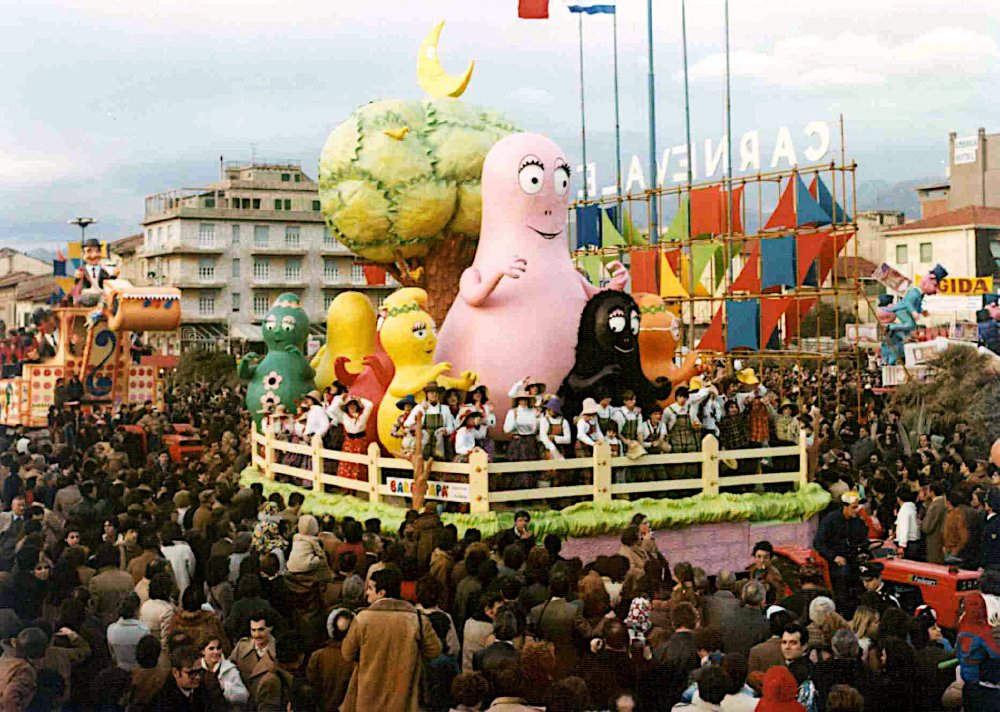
(232, 247)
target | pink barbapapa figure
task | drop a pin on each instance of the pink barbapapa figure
(519, 304)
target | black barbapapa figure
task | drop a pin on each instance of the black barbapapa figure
(607, 357)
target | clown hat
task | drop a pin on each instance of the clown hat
(990, 299)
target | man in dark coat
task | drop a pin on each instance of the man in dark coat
(748, 625)
(188, 689)
(561, 623)
(990, 549)
(839, 538)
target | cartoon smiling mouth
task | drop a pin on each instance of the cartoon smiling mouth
(546, 235)
(624, 351)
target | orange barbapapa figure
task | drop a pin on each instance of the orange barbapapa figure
(659, 336)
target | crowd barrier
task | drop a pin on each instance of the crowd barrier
(475, 477)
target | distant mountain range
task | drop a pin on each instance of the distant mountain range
(883, 195)
(41, 253)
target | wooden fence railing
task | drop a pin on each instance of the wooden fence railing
(475, 476)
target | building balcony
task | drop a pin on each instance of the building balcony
(198, 283)
(181, 249)
(341, 283)
(279, 249)
(278, 282)
(193, 316)
(334, 248)
(199, 212)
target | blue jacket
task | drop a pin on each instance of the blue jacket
(990, 549)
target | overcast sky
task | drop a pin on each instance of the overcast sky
(106, 101)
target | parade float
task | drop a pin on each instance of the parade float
(473, 219)
(89, 337)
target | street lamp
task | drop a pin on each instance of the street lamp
(83, 223)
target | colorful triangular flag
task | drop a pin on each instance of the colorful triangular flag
(610, 237)
(807, 210)
(533, 9)
(670, 285)
(712, 339)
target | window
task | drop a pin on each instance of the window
(297, 177)
(328, 239)
(288, 203)
(926, 254)
(206, 235)
(277, 203)
(209, 202)
(357, 274)
(206, 269)
(293, 269)
(902, 256)
(256, 203)
(292, 236)
(380, 301)
(260, 304)
(236, 268)
(206, 305)
(236, 235)
(261, 269)
(246, 203)
(316, 206)
(331, 270)
(236, 301)
(285, 177)
(261, 235)
(328, 300)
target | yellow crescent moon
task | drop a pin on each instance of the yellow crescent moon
(431, 75)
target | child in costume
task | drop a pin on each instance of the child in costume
(683, 427)
(979, 652)
(437, 421)
(554, 435)
(588, 430)
(356, 440)
(628, 418)
(408, 435)
(521, 424)
(536, 389)
(469, 423)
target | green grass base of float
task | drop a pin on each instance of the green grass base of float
(585, 519)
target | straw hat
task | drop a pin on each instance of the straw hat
(466, 412)
(522, 395)
(405, 401)
(695, 383)
(786, 403)
(590, 407)
(747, 377)
(315, 395)
(349, 400)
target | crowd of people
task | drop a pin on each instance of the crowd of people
(129, 580)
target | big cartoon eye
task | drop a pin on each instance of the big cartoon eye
(617, 324)
(420, 330)
(635, 324)
(531, 176)
(288, 322)
(561, 179)
(270, 322)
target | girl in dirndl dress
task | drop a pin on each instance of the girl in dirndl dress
(521, 424)
(479, 398)
(629, 421)
(682, 426)
(356, 413)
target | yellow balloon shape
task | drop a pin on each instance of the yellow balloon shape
(431, 75)
(350, 332)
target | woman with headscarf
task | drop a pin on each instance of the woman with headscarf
(979, 653)
(30, 583)
(267, 537)
(780, 691)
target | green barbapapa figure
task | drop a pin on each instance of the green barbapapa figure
(283, 375)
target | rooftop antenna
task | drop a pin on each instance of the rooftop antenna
(253, 154)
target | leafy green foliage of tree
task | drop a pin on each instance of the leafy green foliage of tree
(213, 369)
(829, 321)
(965, 386)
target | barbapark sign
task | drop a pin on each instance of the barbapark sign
(447, 491)
(709, 159)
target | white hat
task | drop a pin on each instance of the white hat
(849, 497)
(590, 407)
(771, 610)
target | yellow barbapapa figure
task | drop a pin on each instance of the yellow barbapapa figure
(350, 332)
(409, 337)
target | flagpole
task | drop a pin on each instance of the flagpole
(654, 231)
(583, 113)
(690, 168)
(618, 133)
(729, 136)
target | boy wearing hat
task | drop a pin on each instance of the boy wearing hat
(588, 432)
(437, 422)
(469, 422)
(628, 418)
(707, 403)
(407, 435)
(553, 433)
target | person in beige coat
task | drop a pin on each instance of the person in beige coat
(932, 525)
(308, 558)
(390, 641)
(255, 655)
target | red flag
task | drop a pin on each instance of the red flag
(374, 275)
(533, 9)
(712, 339)
(784, 214)
(644, 271)
(749, 278)
(59, 255)
(808, 248)
(771, 311)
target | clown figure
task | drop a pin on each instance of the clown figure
(900, 318)
(91, 275)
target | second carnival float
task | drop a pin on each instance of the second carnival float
(517, 368)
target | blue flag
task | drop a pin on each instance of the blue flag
(602, 9)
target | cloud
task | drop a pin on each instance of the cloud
(852, 59)
(530, 96)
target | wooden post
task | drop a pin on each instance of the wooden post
(602, 472)
(479, 483)
(317, 462)
(374, 473)
(268, 451)
(803, 461)
(710, 465)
